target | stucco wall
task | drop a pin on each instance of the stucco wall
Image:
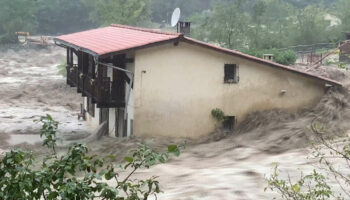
(176, 87)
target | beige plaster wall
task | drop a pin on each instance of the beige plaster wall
(176, 87)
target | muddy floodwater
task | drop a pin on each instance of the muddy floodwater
(222, 166)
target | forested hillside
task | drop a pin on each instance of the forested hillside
(236, 24)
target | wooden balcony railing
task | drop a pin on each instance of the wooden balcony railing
(103, 91)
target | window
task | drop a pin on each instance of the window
(229, 123)
(231, 73)
(90, 107)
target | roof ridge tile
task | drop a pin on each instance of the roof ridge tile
(145, 29)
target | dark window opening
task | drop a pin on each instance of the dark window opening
(90, 107)
(231, 73)
(230, 123)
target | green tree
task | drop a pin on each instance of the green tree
(162, 10)
(63, 16)
(16, 15)
(342, 11)
(128, 12)
(279, 25)
(257, 27)
(226, 25)
(311, 25)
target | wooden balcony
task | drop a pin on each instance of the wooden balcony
(104, 92)
(72, 74)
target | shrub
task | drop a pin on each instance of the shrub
(315, 186)
(287, 57)
(58, 176)
(62, 69)
(218, 114)
(311, 187)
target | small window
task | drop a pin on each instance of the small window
(231, 73)
(90, 107)
(230, 123)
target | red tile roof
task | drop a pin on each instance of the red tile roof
(117, 38)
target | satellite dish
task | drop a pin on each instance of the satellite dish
(175, 17)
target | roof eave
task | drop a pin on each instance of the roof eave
(140, 47)
(67, 44)
(78, 48)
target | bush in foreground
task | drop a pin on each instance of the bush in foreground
(316, 185)
(76, 175)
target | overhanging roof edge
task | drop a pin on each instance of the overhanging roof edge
(67, 44)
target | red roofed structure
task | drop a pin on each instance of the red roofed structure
(161, 83)
(121, 38)
(115, 38)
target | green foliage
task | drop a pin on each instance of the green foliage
(342, 11)
(132, 12)
(225, 25)
(265, 24)
(342, 65)
(218, 114)
(76, 174)
(48, 131)
(162, 10)
(315, 186)
(310, 187)
(287, 57)
(62, 69)
(310, 21)
(235, 24)
(16, 15)
(63, 16)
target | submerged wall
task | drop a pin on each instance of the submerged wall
(176, 87)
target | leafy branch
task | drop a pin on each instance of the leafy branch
(76, 174)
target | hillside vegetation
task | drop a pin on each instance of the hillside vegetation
(236, 24)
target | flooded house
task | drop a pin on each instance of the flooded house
(151, 83)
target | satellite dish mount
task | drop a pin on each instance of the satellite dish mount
(182, 27)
